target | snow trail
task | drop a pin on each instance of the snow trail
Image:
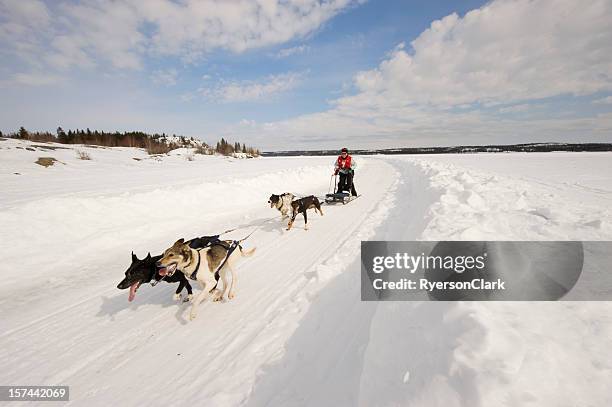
(104, 346)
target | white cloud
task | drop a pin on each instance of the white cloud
(22, 24)
(287, 52)
(36, 79)
(603, 101)
(32, 12)
(187, 97)
(236, 25)
(409, 127)
(508, 51)
(122, 32)
(243, 91)
(516, 108)
(165, 77)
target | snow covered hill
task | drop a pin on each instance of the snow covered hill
(297, 333)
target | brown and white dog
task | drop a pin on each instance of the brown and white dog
(282, 202)
(204, 262)
(301, 206)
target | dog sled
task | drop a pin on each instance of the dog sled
(339, 196)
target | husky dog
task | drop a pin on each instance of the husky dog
(202, 265)
(145, 270)
(281, 202)
(301, 206)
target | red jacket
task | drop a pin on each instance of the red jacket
(343, 163)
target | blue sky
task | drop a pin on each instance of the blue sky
(319, 75)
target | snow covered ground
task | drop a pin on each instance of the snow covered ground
(297, 333)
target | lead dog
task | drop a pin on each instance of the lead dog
(145, 270)
(203, 264)
(301, 206)
(281, 202)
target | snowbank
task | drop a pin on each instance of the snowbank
(511, 353)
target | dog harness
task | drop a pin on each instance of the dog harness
(195, 272)
(230, 250)
(281, 200)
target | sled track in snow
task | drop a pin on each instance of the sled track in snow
(96, 336)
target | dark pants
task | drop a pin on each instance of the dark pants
(346, 183)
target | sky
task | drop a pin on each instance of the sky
(312, 74)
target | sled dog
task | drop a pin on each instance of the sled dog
(206, 266)
(301, 206)
(145, 270)
(281, 202)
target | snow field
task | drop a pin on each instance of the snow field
(297, 332)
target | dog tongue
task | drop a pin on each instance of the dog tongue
(133, 289)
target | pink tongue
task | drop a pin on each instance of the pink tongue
(133, 288)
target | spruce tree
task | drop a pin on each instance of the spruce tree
(23, 133)
(61, 136)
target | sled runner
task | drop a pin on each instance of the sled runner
(339, 196)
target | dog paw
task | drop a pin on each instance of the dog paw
(192, 315)
(217, 295)
(231, 296)
(176, 297)
(188, 298)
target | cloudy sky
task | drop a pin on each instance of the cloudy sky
(309, 74)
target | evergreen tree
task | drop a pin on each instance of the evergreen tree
(23, 133)
(61, 136)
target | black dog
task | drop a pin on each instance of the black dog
(301, 206)
(145, 270)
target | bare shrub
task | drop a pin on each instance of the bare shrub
(158, 148)
(83, 155)
(204, 150)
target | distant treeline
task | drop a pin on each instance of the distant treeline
(529, 148)
(153, 143)
(226, 148)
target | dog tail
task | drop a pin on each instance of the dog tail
(247, 253)
(318, 205)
